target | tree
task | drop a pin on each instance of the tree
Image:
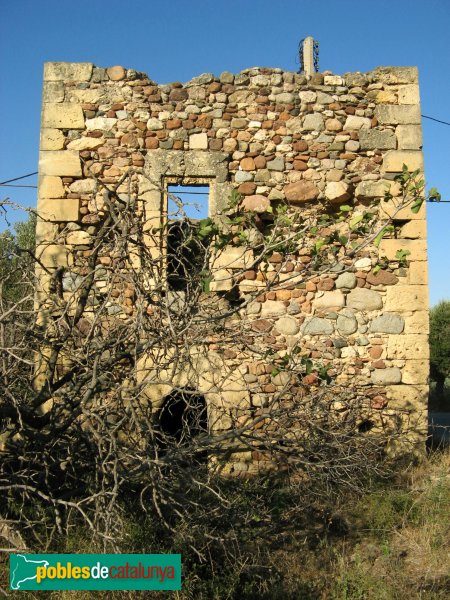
(440, 344)
(105, 393)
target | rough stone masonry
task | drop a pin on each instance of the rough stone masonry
(274, 136)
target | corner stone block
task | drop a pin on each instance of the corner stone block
(45, 231)
(414, 230)
(53, 91)
(60, 71)
(410, 397)
(53, 255)
(418, 273)
(52, 139)
(50, 187)
(64, 115)
(409, 137)
(405, 298)
(409, 94)
(390, 209)
(415, 372)
(389, 114)
(408, 346)
(418, 322)
(395, 75)
(59, 210)
(417, 249)
(65, 163)
(395, 159)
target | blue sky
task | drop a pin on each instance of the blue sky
(176, 40)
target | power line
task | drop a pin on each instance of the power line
(437, 120)
(17, 186)
(17, 178)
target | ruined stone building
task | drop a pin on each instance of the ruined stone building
(276, 137)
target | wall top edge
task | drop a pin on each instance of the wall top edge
(84, 71)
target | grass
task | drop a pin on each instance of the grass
(390, 544)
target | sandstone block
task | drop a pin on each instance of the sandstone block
(223, 281)
(390, 209)
(372, 139)
(389, 114)
(52, 139)
(198, 141)
(333, 80)
(395, 159)
(53, 255)
(65, 163)
(408, 346)
(414, 230)
(79, 237)
(417, 249)
(364, 299)
(233, 258)
(53, 91)
(62, 71)
(418, 322)
(301, 191)
(89, 96)
(412, 397)
(83, 186)
(404, 298)
(408, 94)
(409, 137)
(394, 75)
(50, 187)
(86, 143)
(418, 273)
(59, 210)
(63, 115)
(416, 372)
(45, 231)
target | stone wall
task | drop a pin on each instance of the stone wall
(274, 136)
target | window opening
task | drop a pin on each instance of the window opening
(187, 206)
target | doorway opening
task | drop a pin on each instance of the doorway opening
(182, 418)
